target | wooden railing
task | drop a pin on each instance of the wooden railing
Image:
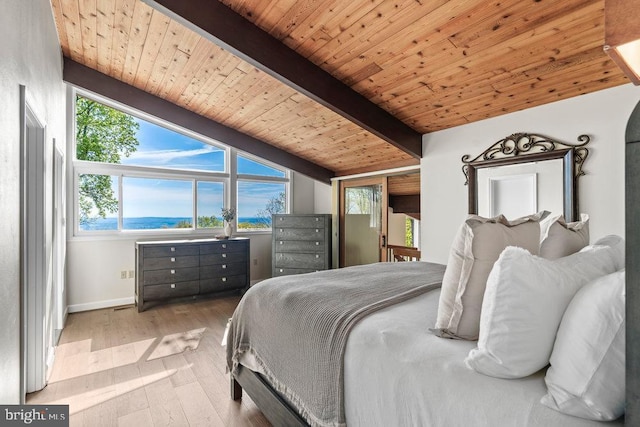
(402, 253)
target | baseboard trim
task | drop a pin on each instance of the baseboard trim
(74, 308)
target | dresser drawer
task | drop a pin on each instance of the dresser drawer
(300, 246)
(311, 221)
(170, 262)
(171, 290)
(171, 251)
(301, 243)
(314, 234)
(171, 269)
(299, 260)
(288, 271)
(156, 277)
(220, 270)
(222, 258)
(222, 283)
(224, 247)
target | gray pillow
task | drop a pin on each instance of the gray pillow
(475, 249)
(560, 239)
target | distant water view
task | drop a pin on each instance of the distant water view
(154, 223)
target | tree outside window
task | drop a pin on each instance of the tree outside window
(102, 135)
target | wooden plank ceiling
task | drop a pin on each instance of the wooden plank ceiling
(431, 64)
(404, 185)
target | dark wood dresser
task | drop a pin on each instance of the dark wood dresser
(301, 243)
(189, 268)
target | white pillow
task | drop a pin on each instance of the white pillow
(617, 244)
(525, 299)
(587, 374)
(475, 249)
(561, 239)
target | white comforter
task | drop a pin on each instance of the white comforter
(397, 374)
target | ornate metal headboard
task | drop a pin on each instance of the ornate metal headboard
(525, 148)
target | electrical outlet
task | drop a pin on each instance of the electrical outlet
(132, 274)
(123, 274)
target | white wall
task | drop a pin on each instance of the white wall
(602, 115)
(94, 266)
(303, 192)
(30, 55)
(396, 228)
(311, 196)
(322, 200)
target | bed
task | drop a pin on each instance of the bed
(394, 367)
(407, 390)
(293, 330)
(524, 326)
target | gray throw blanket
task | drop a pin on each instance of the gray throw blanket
(296, 328)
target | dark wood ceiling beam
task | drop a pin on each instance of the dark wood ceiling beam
(229, 30)
(86, 78)
(405, 203)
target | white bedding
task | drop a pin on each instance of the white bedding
(399, 374)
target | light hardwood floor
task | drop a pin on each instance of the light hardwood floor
(164, 366)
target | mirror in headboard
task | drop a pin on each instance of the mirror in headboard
(525, 173)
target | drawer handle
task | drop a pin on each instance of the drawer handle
(281, 230)
(317, 219)
(224, 279)
(173, 249)
(173, 260)
(224, 265)
(281, 270)
(317, 256)
(281, 242)
(224, 246)
(224, 255)
(173, 286)
(173, 272)
(317, 243)
(317, 230)
(280, 218)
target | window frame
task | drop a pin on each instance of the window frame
(229, 178)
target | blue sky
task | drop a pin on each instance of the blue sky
(162, 147)
(165, 148)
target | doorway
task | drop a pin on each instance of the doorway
(35, 250)
(363, 221)
(379, 218)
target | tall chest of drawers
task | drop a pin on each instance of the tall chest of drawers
(189, 268)
(301, 243)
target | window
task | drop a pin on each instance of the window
(105, 134)
(210, 204)
(97, 214)
(134, 175)
(247, 166)
(262, 192)
(257, 201)
(152, 203)
(160, 147)
(412, 232)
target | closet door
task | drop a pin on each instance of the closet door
(363, 221)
